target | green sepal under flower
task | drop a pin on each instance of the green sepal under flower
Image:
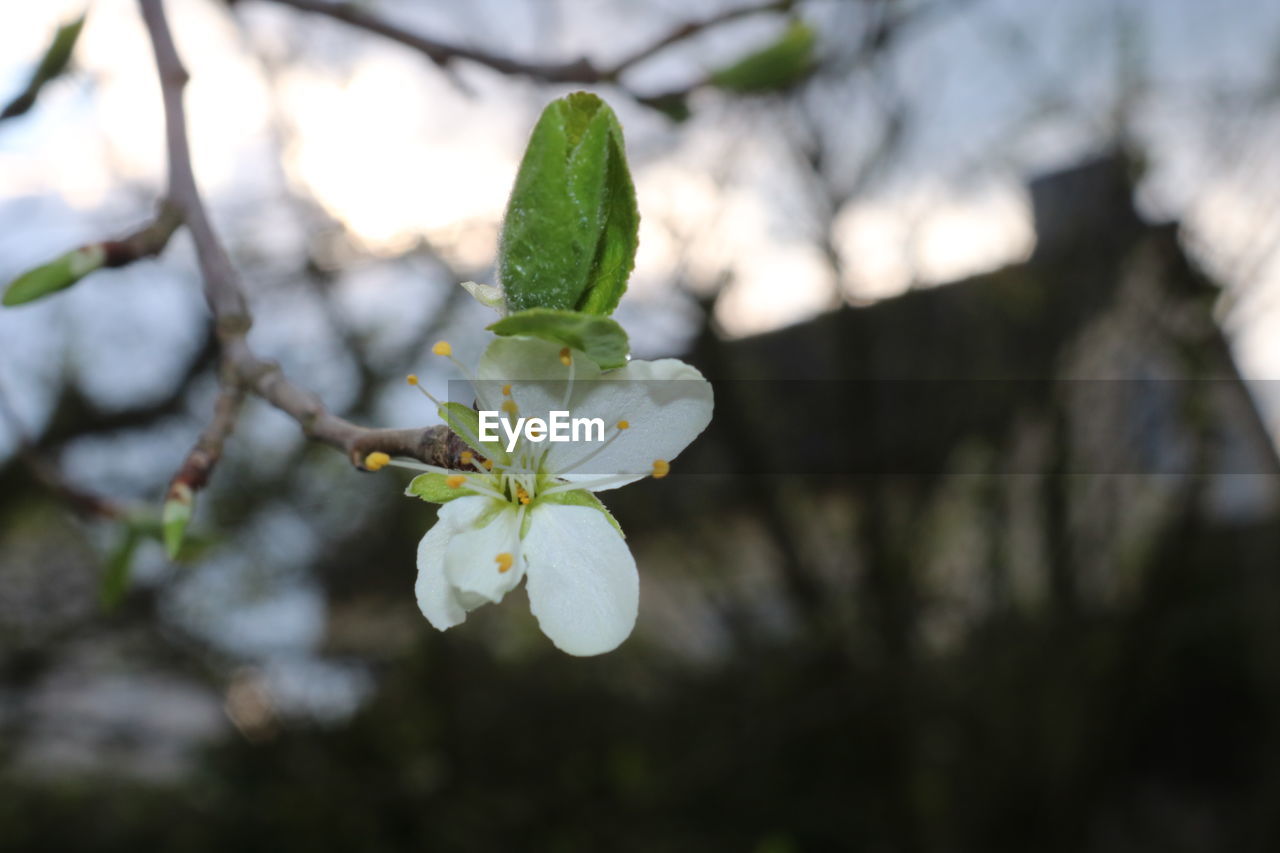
(435, 488)
(580, 497)
(465, 422)
(600, 339)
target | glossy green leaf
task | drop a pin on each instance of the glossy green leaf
(58, 274)
(599, 338)
(435, 488)
(571, 228)
(783, 63)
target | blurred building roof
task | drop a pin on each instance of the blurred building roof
(1107, 325)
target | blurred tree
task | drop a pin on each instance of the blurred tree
(1034, 613)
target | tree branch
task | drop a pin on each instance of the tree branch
(226, 300)
(692, 28)
(580, 70)
(204, 455)
(443, 53)
(146, 242)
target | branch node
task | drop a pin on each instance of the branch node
(234, 325)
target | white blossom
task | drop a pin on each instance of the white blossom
(532, 512)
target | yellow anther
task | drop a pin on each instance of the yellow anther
(510, 408)
(504, 561)
(376, 461)
(661, 468)
(565, 358)
(488, 464)
(453, 481)
(466, 456)
(522, 495)
(442, 348)
(412, 379)
(506, 390)
(624, 424)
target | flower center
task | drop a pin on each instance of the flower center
(522, 476)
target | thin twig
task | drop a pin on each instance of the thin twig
(146, 242)
(443, 53)
(690, 29)
(226, 300)
(581, 70)
(204, 455)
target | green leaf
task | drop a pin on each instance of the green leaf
(465, 421)
(581, 497)
(674, 105)
(434, 488)
(601, 339)
(571, 228)
(152, 527)
(781, 64)
(174, 519)
(115, 580)
(58, 274)
(52, 64)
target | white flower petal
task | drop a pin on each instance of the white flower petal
(508, 359)
(666, 405)
(534, 369)
(583, 586)
(437, 599)
(474, 561)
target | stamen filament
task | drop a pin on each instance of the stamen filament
(519, 527)
(415, 465)
(592, 486)
(445, 349)
(572, 364)
(599, 448)
(413, 380)
(480, 489)
(472, 480)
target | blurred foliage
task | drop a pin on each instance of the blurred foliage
(52, 64)
(1011, 656)
(1151, 728)
(779, 65)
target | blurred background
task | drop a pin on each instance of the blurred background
(981, 549)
